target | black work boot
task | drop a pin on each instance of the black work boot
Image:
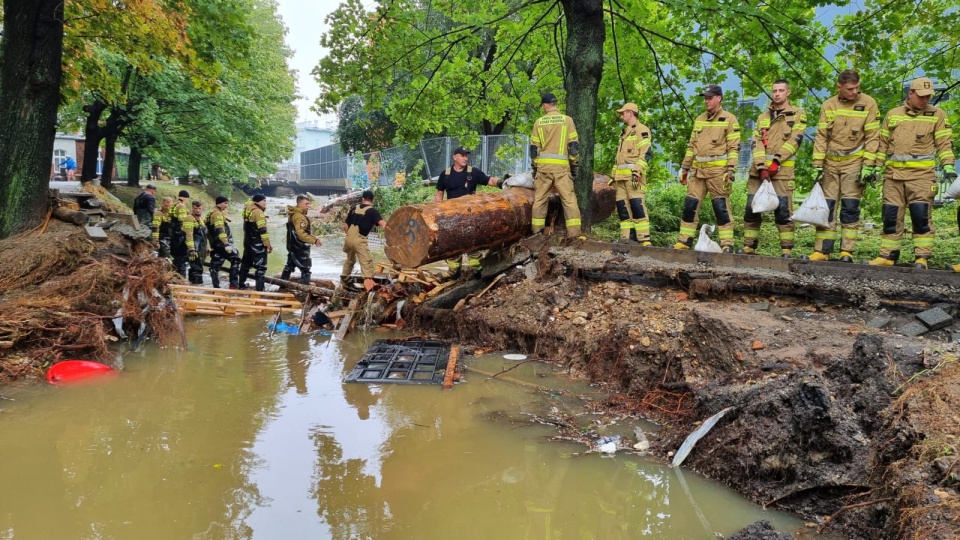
(305, 278)
(285, 275)
(260, 284)
(215, 279)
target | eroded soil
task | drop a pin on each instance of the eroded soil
(850, 426)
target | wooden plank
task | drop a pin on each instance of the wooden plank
(347, 319)
(231, 292)
(451, 367)
(238, 301)
(190, 304)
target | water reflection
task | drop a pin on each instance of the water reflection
(249, 435)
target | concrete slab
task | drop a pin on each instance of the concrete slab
(760, 306)
(935, 319)
(878, 322)
(913, 329)
(96, 233)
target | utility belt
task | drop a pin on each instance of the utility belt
(845, 155)
(912, 161)
(700, 162)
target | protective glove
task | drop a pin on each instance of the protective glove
(949, 173)
(868, 176)
(502, 180)
(229, 250)
(192, 255)
(729, 176)
(635, 178)
(683, 176)
(574, 169)
(773, 167)
(764, 174)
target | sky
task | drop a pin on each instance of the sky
(304, 20)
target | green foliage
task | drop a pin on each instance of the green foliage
(363, 131)
(389, 198)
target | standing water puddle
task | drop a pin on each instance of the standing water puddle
(252, 436)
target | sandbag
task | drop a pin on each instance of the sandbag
(814, 210)
(953, 192)
(524, 180)
(765, 200)
(705, 243)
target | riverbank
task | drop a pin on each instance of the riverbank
(850, 426)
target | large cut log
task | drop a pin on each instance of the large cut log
(70, 216)
(418, 234)
(312, 289)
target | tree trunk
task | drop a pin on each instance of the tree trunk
(109, 159)
(31, 50)
(133, 168)
(418, 234)
(583, 69)
(92, 134)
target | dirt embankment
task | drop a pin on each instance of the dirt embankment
(849, 426)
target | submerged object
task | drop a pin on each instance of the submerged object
(284, 327)
(75, 371)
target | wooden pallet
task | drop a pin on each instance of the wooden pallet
(208, 301)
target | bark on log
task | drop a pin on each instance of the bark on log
(318, 291)
(70, 216)
(418, 234)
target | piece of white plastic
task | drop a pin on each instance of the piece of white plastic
(814, 210)
(514, 357)
(705, 243)
(692, 439)
(765, 199)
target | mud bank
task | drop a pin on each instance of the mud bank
(834, 418)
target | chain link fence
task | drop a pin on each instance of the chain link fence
(495, 155)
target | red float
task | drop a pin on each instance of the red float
(75, 371)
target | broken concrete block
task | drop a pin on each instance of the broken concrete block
(878, 322)
(913, 329)
(935, 318)
(760, 306)
(95, 233)
(955, 337)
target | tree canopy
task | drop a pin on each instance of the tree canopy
(478, 68)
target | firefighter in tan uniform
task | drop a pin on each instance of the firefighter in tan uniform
(630, 177)
(776, 139)
(554, 148)
(360, 221)
(844, 157)
(712, 152)
(913, 136)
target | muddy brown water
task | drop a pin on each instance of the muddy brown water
(247, 435)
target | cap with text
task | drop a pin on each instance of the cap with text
(922, 86)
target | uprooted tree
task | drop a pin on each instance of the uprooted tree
(480, 67)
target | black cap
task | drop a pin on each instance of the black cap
(183, 193)
(462, 150)
(548, 98)
(222, 199)
(259, 197)
(151, 186)
(712, 90)
(367, 195)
